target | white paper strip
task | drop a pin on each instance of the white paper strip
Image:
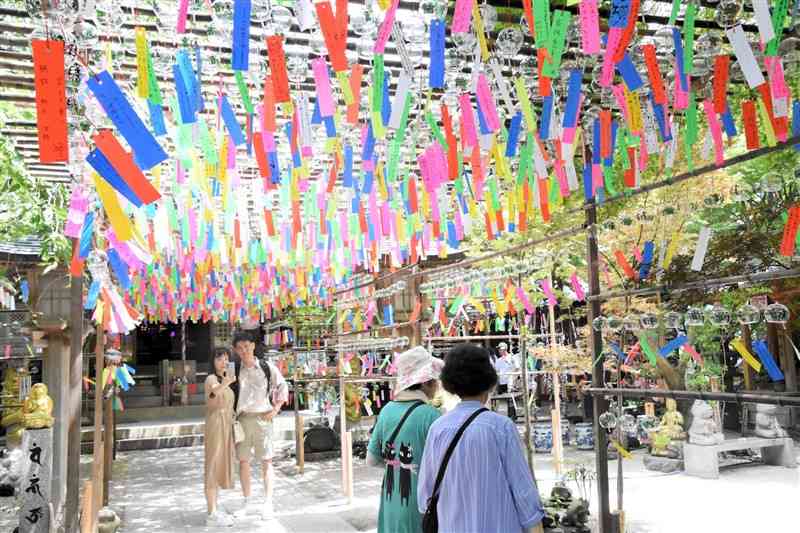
(763, 20)
(662, 252)
(705, 152)
(672, 148)
(701, 249)
(305, 14)
(649, 123)
(744, 55)
(539, 163)
(399, 100)
(502, 87)
(780, 106)
(568, 153)
(305, 123)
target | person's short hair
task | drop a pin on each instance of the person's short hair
(468, 371)
(242, 336)
(219, 351)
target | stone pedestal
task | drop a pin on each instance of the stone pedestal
(37, 470)
(663, 464)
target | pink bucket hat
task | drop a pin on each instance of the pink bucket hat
(415, 366)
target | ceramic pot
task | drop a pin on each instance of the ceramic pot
(584, 436)
(543, 437)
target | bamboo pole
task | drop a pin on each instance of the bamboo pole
(97, 460)
(108, 445)
(558, 449)
(525, 396)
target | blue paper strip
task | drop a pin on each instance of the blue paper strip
(189, 79)
(368, 176)
(676, 38)
(618, 18)
(91, 297)
(587, 182)
(274, 167)
(796, 122)
(330, 127)
(728, 123)
(347, 175)
(369, 143)
(87, 233)
(629, 74)
(661, 120)
(547, 112)
(452, 240)
(573, 97)
(609, 161)
(103, 167)
(513, 134)
(157, 118)
(775, 374)
(647, 260)
(386, 102)
(185, 105)
(482, 126)
(596, 158)
(120, 268)
(617, 350)
(436, 71)
(316, 116)
(229, 117)
(241, 35)
(144, 145)
(673, 345)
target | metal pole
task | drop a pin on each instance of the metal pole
(738, 397)
(598, 378)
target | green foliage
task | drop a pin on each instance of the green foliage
(30, 207)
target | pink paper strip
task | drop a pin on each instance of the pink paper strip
(716, 131)
(590, 26)
(323, 82)
(688, 348)
(386, 28)
(607, 71)
(580, 294)
(561, 176)
(525, 301)
(552, 301)
(231, 153)
(468, 121)
(681, 96)
(619, 93)
(183, 9)
(462, 16)
(459, 224)
(486, 102)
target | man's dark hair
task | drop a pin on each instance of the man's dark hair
(467, 371)
(242, 336)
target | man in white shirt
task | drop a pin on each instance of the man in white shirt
(504, 365)
(261, 392)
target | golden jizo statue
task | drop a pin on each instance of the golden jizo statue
(669, 431)
(12, 410)
(37, 411)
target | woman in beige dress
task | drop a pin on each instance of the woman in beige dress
(218, 436)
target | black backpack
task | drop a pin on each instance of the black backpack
(235, 385)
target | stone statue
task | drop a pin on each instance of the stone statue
(37, 411)
(12, 410)
(704, 430)
(670, 429)
(767, 423)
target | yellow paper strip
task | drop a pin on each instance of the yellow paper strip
(344, 85)
(671, 249)
(108, 197)
(477, 23)
(740, 347)
(525, 103)
(142, 87)
(768, 131)
(622, 451)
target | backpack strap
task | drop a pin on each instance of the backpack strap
(408, 412)
(451, 448)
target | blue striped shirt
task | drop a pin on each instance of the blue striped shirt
(487, 486)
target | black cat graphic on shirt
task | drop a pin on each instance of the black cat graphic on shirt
(388, 484)
(406, 458)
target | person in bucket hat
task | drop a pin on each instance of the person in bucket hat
(398, 439)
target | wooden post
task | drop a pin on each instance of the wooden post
(523, 350)
(598, 375)
(87, 506)
(108, 445)
(56, 371)
(789, 365)
(75, 382)
(558, 449)
(97, 460)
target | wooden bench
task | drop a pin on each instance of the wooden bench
(703, 461)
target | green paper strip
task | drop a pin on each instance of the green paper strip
(242, 84)
(610, 180)
(554, 194)
(557, 42)
(154, 93)
(676, 6)
(456, 304)
(541, 22)
(377, 82)
(492, 183)
(437, 132)
(688, 38)
(778, 20)
(206, 143)
(690, 133)
(647, 348)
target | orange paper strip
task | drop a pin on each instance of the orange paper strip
(51, 100)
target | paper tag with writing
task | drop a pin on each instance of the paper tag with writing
(51, 100)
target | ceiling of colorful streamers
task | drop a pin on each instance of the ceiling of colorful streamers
(230, 158)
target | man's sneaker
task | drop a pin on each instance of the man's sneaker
(218, 519)
(267, 511)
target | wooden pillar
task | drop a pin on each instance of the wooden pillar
(97, 460)
(108, 445)
(75, 387)
(56, 369)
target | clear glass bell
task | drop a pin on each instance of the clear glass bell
(608, 420)
(748, 314)
(777, 313)
(648, 321)
(614, 323)
(628, 422)
(694, 317)
(630, 323)
(727, 13)
(489, 16)
(599, 323)
(509, 42)
(772, 182)
(673, 320)
(719, 316)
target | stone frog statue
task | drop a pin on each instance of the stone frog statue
(704, 430)
(767, 423)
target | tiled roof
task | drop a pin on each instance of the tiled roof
(27, 247)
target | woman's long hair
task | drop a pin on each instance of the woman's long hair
(218, 352)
